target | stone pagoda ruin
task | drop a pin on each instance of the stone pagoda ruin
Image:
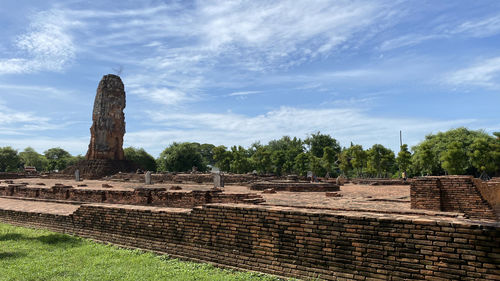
(105, 154)
(108, 120)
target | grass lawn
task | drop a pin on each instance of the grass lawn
(27, 254)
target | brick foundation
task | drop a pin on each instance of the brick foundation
(451, 194)
(140, 196)
(292, 242)
(295, 186)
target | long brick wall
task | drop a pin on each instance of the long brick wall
(292, 242)
(140, 196)
(451, 194)
(295, 186)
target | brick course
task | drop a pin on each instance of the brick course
(295, 186)
(292, 242)
(451, 194)
(139, 196)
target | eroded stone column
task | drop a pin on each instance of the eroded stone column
(108, 120)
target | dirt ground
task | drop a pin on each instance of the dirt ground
(390, 198)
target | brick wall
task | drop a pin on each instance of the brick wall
(382, 181)
(451, 194)
(140, 196)
(184, 177)
(292, 242)
(490, 190)
(8, 176)
(296, 186)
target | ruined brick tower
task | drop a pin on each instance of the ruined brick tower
(105, 155)
(108, 120)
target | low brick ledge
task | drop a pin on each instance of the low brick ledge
(218, 246)
(412, 212)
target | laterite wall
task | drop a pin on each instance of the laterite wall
(292, 242)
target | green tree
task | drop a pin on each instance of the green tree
(317, 143)
(222, 158)
(404, 158)
(29, 157)
(141, 158)
(207, 154)
(240, 162)
(278, 159)
(483, 155)
(380, 160)
(359, 159)
(181, 157)
(301, 164)
(329, 158)
(424, 160)
(345, 164)
(9, 159)
(58, 159)
(429, 154)
(290, 148)
(316, 165)
(261, 159)
(454, 159)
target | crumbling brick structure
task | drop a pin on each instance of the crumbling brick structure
(451, 194)
(329, 245)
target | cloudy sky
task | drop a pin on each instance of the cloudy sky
(236, 72)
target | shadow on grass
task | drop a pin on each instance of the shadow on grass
(59, 239)
(11, 255)
(11, 236)
(50, 239)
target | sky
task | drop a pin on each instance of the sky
(237, 72)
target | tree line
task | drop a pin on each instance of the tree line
(457, 151)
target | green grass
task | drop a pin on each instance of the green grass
(28, 254)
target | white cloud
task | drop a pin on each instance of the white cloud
(30, 90)
(46, 46)
(163, 96)
(480, 28)
(477, 28)
(14, 66)
(485, 73)
(345, 124)
(19, 122)
(275, 33)
(244, 93)
(406, 41)
(184, 43)
(73, 145)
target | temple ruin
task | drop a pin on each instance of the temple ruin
(105, 153)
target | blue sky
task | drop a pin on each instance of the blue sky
(236, 72)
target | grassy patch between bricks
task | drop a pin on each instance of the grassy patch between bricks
(28, 254)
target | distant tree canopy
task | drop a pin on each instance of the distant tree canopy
(182, 157)
(52, 159)
(140, 158)
(9, 160)
(457, 151)
(58, 159)
(29, 157)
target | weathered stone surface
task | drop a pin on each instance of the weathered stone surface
(98, 168)
(108, 120)
(105, 155)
